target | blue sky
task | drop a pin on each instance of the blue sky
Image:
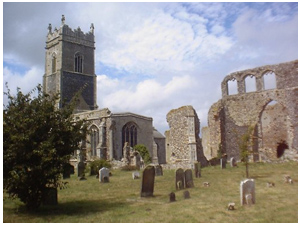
(154, 57)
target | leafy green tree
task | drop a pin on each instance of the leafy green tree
(246, 148)
(142, 149)
(38, 139)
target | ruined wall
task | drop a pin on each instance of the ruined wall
(230, 117)
(183, 143)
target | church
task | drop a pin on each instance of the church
(69, 70)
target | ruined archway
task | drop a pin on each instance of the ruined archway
(272, 130)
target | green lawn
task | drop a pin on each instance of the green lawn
(120, 201)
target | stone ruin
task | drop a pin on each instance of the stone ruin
(131, 157)
(183, 144)
(271, 111)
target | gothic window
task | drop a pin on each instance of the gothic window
(53, 63)
(78, 62)
(94, 140)
(129, 134)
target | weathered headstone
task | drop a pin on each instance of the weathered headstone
(186, 195)
(49, 196)
(247, 191)
(67, 170)
(188, 174)
(172, 197)
(148, 181)
(80, 169)
(223, 162)
(197, 169)
(179, 182)
(135, 175)
(233, 162)
(104, 175)
(158, 170)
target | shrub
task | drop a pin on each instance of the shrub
(94, 166)
(142, 149)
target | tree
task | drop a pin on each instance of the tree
(38, 140)
(142, 149)
(245, 148)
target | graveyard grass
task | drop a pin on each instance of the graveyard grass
(119, 200)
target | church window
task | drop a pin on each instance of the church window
(129, 134)
(78, 63)
(94, 140)
(53, 63)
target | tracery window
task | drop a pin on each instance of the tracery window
(78, 63)
(94, 139)
(129, 134)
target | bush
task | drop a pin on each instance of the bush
(142, 149)
(94, 166)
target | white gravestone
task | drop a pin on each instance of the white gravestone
(247, 190)
(104, 175)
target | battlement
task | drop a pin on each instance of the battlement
(65, 33)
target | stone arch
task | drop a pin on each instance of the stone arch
(272, 128)
(232, 86)
(270, 80)
(250, 83)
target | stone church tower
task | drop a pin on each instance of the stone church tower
(69, 66)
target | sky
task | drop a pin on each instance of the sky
(153, 57)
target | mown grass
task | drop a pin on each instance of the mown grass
(120, 201)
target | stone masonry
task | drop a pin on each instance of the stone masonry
(273, 113)
(183, 145)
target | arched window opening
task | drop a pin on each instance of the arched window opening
(232, 87)
(78, 63)
(129, 134)
(269, 80)
(250, 83)
(282, 146)
(53, 64)
(94, 140)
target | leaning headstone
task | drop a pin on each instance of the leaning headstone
(80, 169)
(49, 196)
(179, 182)
(247, 192)
(135, 175)
(186, 195)
(233, 162)
(188, 174)
(148, 181)
(158, 170)
(104, 175)
(197, 169)
(172, 197)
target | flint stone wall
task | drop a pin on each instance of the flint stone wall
(230, 117)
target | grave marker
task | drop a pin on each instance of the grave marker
(188, 174)
(158, 170)
(197, 169)
(172, 197)
(186, 195)
(247, 192)
(233, 162)
(104, 175)
(179, 180)
(148, 181)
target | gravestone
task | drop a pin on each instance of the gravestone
(49, 196)
(104, 175)
(80, 169)
(233, 162)
(197, 169)
(148, 181)
(135, 175)
(158, 170)
(186, 195)
(179, 180)
(172, 197)
(67, 170)
(223, 162)
(247, 192)
(188, 174)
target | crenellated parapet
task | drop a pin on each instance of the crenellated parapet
(65, 33)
